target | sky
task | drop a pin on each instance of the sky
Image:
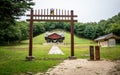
(87, 10)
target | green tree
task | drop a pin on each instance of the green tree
(10, 10)
(99, 30)
(79, 29)
(60, 25)
(38, 28)
(115, 28)
(24, 29)
(67, 26)
(90, 31)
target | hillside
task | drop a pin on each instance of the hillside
(77, 40)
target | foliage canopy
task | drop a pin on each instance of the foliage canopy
(10, 10)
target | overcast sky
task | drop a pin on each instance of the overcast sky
(87, 10)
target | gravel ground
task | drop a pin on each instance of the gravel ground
(84, 67)
(115, 70)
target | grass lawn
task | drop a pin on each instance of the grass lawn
(12, 58)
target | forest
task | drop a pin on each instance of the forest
(91, 30)
(12, 31)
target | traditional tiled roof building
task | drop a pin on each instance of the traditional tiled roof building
(108, 40)
(54, 37)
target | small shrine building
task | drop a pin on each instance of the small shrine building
(54, 37)
(108, 40)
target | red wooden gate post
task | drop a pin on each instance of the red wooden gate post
(30, 57)
(72, 37)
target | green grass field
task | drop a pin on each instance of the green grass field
(12, 58)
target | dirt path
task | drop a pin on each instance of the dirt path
(81, 67)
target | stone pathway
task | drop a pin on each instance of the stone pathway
(55, 50)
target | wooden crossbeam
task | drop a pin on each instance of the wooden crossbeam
(51, 20)
(53, 15)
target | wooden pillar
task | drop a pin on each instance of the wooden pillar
(72, 37)
(97, 52)
(30, 57)
(91, 52)
(108, 43)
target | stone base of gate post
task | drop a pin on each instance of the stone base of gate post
(72, 57)
(30, 58)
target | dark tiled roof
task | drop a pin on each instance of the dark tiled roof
(108, 36)
(48, 33)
